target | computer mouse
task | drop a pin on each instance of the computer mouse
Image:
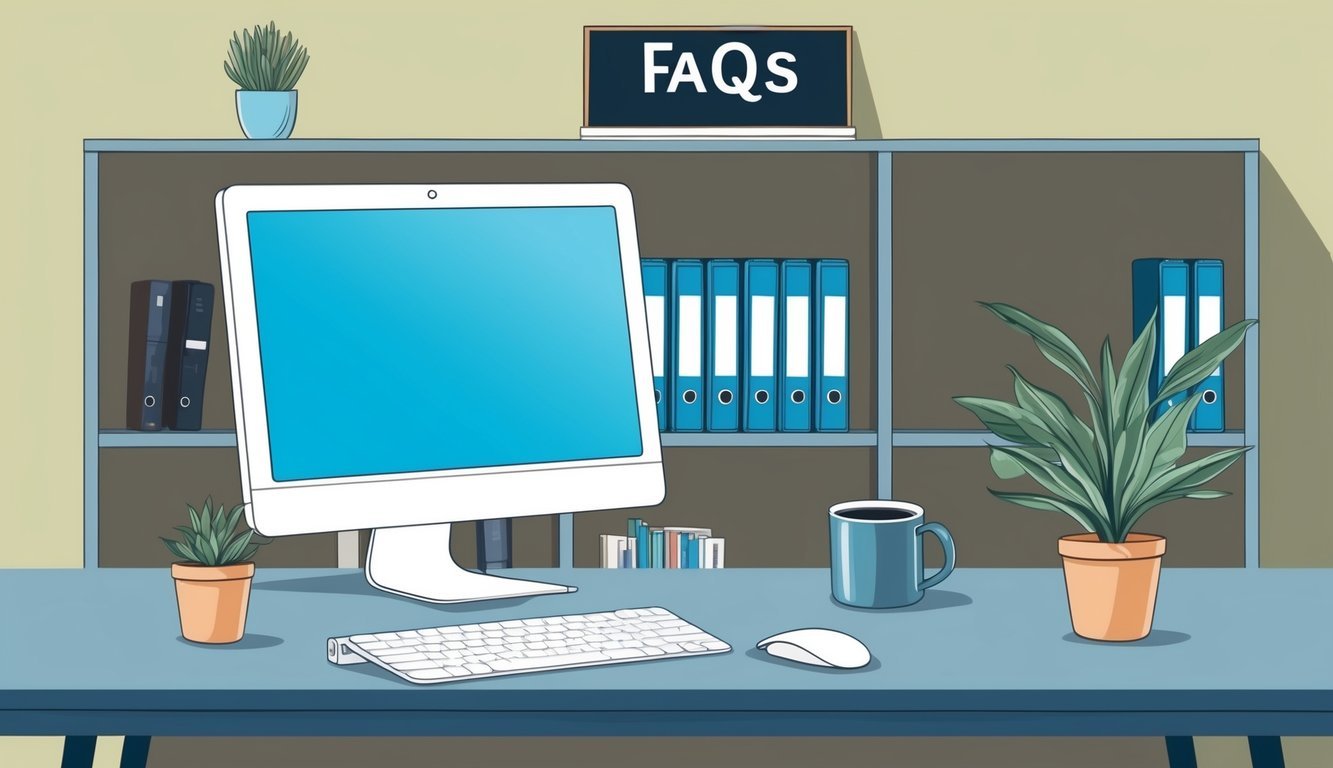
(817, 647)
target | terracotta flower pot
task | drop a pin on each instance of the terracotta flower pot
(1112, 587)
(213, 600)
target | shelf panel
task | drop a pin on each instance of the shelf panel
(670, 145)
(952, 438)
(221, 438)
(205, 438)
(769, 439)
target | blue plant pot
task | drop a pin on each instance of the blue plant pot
(266, 114)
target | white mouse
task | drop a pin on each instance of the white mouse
(817, 647)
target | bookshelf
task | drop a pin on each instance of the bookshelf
(929, 227)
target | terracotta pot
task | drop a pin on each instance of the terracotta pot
(1112, 587)
(213, 600)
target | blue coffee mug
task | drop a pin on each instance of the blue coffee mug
(876, 553)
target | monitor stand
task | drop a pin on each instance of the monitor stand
(415, 561)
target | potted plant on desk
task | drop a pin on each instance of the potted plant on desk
(213, 579)
(266, 65)
(1108, 472)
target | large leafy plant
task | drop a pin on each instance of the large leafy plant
(212, 539)
(265, 59)
(1108, 471)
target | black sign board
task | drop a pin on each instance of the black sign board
(717, 76)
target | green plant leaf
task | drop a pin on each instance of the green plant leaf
(232, 551)
(1131, 396)
(233, 518)
(1187, 477)
(1200, 362)
(1103, 421)
(1054, 478)
(1164, 442)
(1163, 498)
(1072, 438)
(1005, 467)
(1053, 343)
(194, 518)
(1088, 521)
(174, 547)
(1006, 420)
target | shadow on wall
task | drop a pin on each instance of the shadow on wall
(865, 116)
(1295, 411)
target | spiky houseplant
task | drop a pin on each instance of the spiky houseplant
(1108, 471)
(211, 538)
(213, 579)
(266, 64)
(265, 59)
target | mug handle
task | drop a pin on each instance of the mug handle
(946, 541)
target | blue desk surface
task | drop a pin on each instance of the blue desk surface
(989, 652)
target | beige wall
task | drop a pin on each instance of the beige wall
(399, 68)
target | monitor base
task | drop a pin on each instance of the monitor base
(414, 561)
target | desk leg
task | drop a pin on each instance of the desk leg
(1266, 752)
(1180, 752)
(135, 752)
(78, 752)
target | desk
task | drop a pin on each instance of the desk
(990, 652)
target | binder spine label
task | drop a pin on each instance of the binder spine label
(835, 336)
(761, 336)
(798, 336)
(724, 353)
(691, 335)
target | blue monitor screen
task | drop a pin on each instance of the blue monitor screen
(397, 341)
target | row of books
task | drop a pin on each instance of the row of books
(170, 326)
(754, 346)
(646, 546)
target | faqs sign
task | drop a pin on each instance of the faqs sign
(717, 76)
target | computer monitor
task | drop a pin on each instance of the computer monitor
(408, 356)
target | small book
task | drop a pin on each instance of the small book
(612, 550)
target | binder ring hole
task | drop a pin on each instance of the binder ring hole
(761, 396)
(657, 395)
(798, 396)
(1209, 396)
(150, 401)
(834, 396)
(431, 194)
(689, 396)
(185, 402)
(724, 397)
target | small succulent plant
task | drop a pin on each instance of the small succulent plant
(212, 539)
(265, 59)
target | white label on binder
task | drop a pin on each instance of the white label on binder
(835, 335)
(195, 344)
(656, 306)
(1173, 331)
(761, 336)
(1210, 320)
(798, 335)
(691, 336)
(724, 336)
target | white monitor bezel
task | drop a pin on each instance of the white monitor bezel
(278, 508)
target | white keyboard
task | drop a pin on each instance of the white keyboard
(491, 649)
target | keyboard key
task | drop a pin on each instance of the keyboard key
(408, 666)
(429, 674)
(515, 665)
(477, 668)
(625, 653)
